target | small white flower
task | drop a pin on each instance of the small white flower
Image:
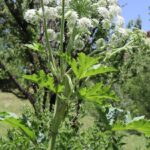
(99, 43)
(52, 34)
(59, 2)
(46, 2)
(49, 12)
(106, 24)
(112, 2)
(103, 12)
(31, 16)
(84, 23)
(71, 17)
(120, 21)
(114, 10)
(147, 41)
(95, 22)
(78, 43)
(122, 31)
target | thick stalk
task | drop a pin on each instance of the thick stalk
(60, 107)
(59, 114)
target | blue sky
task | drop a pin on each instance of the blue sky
(134, 8)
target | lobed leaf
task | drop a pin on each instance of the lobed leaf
(97, 93)
(44, 81)
(141, 125)
(84, 66)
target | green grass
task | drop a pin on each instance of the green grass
(10, 103)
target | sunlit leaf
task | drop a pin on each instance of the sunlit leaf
(84, 66)
(44, 81)
(10, 118)
(141, 125)
(36, 47)
(97, 93)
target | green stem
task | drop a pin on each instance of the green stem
(62, 25)
(62, 36)
(117, 50)
(71, 40)
(60, 107)
(50, 55)
(59, 114)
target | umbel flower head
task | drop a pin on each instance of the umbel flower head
(71, 17)
(84, 22)
(103, 12)
(31, 16)
(114, 10)
(49, 12)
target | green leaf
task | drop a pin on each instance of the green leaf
(4, 115)
(100, 70)
(84, 66)
(69, 88)
(36, 47)
(33, 77)
(97, 93)
(17, 123)
(44, 81)
(141, 125)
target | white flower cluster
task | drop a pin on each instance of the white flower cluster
(100, 3)
(71, 17)
(119, 21)
(52, 34)
(114, 10)
(122, 31)
(79, 43)
(110, 12)
(49, 12)
(106, 24)
(84, 23)
(31, 16)
(59, 2)
(46, 2)
(103, 12)
(95, 22)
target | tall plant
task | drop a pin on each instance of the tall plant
(70, 58)
(79, 37)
